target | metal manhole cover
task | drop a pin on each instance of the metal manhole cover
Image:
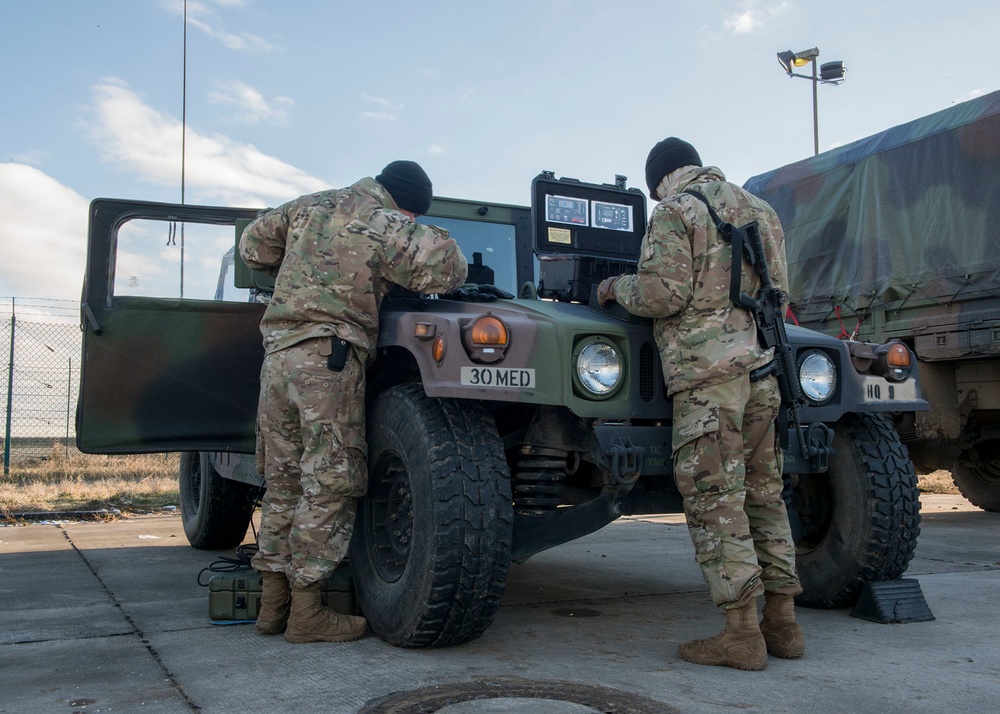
(510, 694)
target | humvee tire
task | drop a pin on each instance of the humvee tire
(860, 520)
(215, 511)
(432, 539)
(978, 478)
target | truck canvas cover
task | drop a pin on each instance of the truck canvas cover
(911, 214)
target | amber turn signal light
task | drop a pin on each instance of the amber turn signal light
(898, 356)
(438, 349)
(486, 339)
(488, 331)
(893, 361)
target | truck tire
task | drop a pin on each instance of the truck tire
(215, 511)
(978, 478)
(432, 540)
(860, 520)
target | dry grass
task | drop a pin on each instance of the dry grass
(937, 482)
(81, 482)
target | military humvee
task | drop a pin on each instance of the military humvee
(894, 237)
(496, 428)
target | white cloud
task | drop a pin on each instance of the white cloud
(44, 230)
(970, 95)
(140, 140)
(244, 42)
(389, 110)
(378, 116)
(32, 157)
(382, 102)
(252, 107)
(752, 15)
(435, 149)
(743, 23)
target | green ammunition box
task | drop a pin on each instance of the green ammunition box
(236, 596)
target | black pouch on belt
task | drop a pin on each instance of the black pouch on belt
(338, 354)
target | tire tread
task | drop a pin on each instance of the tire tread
(470, 555)
(222, 518)
(893, 517)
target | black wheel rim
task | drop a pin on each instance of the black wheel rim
(810, 512)
(983, 462)
(390, 504)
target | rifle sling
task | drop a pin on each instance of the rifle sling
(733, 236)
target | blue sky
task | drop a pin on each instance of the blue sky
(287, 98)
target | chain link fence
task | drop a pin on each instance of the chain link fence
(40, 347)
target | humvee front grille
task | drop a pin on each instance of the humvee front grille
(647, 371)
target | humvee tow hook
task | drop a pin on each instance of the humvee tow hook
(819, 438)
(625, 461)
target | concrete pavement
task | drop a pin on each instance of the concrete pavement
(109, 617)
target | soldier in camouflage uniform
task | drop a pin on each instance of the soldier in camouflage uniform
(335, 255)
(727, 463)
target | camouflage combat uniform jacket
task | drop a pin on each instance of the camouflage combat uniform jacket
(683, 281)
(338, 253)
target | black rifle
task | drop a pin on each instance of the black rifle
(769, 316)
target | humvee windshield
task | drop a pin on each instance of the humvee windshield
(493, 241)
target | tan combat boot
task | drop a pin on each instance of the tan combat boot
(740, 644)
(311, 622)
(781, 633)
(275, 603)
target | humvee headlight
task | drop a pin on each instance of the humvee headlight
(817, 377)
(599, 367)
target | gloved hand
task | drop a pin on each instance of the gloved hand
(606, 290)
(494, 291)
(470, 292)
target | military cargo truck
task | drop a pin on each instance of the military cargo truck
(896, 237)
(497, 428)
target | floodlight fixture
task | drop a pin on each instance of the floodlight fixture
(789, 60)
(785, 59)
(832, 72)
(829, 73)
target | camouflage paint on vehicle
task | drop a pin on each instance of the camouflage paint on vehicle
(905, 216)
(894, 237)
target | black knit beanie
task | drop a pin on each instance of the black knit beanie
(669, 155)
(409, 185)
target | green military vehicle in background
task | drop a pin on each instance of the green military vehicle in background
(896, 237)
(497, 428)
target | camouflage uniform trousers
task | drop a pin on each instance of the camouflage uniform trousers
(727, 466)
(311, 444)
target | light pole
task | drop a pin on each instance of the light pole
(829, 73)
